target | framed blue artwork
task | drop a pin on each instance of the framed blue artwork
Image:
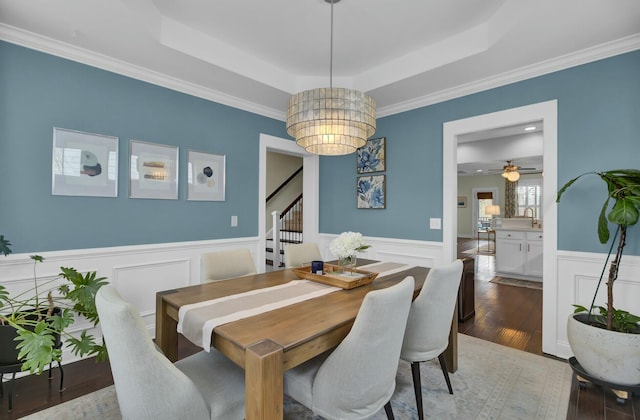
(371, 191)
(371, 156)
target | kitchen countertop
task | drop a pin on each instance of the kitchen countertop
(519, 229)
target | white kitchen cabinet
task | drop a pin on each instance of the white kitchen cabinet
(533, 259)
(519, 253)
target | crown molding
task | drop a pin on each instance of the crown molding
(599, 52)
(60, 49)
(83, 56)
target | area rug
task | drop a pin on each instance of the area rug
(492, 382)
(517, 282)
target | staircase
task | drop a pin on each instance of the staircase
(287, 226)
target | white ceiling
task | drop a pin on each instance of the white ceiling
(487, 152)
(253, 54)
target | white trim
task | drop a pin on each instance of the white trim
(137, 272)
(91, 58)
(50, 46)
(599, 52)
(548, 113)
(578, 273)
(310, 190)
(407, 251)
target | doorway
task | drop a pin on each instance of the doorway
(481, 220)
(547, 112)
(310, 190)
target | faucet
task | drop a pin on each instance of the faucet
(533, 220)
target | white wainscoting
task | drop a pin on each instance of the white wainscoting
(578, 275)
(421, 253)
(137, 272)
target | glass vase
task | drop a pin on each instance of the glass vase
(347, 264)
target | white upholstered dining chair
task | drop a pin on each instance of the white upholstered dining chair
(228, 264)
(429, 323)
(357, 379)
(149, 386)
(296, 255)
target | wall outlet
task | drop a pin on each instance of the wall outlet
(435, 223)
(234, 221)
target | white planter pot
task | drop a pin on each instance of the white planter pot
(608, 355)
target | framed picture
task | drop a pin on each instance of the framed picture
(206, 176)
(462, 201)
(84, 164)
(371, 156)
(371, 192)
(153, 171)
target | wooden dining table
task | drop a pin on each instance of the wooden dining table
(267, 344)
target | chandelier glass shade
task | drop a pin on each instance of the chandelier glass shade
(331, 121)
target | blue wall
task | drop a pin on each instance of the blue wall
(598, 129)
(40, 91)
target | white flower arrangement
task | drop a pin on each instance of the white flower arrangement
(347, 244)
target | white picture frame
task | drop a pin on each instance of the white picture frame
(84, 164)
(205, 176)
(153, 170)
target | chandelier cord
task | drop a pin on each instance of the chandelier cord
(331, 50)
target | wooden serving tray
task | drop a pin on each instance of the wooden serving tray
(332, 278)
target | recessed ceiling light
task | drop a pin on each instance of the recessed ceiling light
(530, 128)
(478, 170)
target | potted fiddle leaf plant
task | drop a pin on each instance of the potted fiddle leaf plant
(34, 322)
(605, 340)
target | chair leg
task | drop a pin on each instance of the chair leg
(443, 365)
(389, 411)
(417, 388)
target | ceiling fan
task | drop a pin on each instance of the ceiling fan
(512, 172)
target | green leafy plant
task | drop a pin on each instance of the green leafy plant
(41, 327)
(623, 186)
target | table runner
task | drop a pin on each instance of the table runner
(197, 321)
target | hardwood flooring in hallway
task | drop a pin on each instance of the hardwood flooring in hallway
(507, 315)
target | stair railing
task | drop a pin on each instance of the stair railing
(291, 222)
(284, 184)
(277, 225)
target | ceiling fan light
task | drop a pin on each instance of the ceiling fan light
(504, 174)
(513, 176)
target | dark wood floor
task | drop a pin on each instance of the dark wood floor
(508, 315)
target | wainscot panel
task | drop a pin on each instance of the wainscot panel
(578, 274)
(138, 272)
